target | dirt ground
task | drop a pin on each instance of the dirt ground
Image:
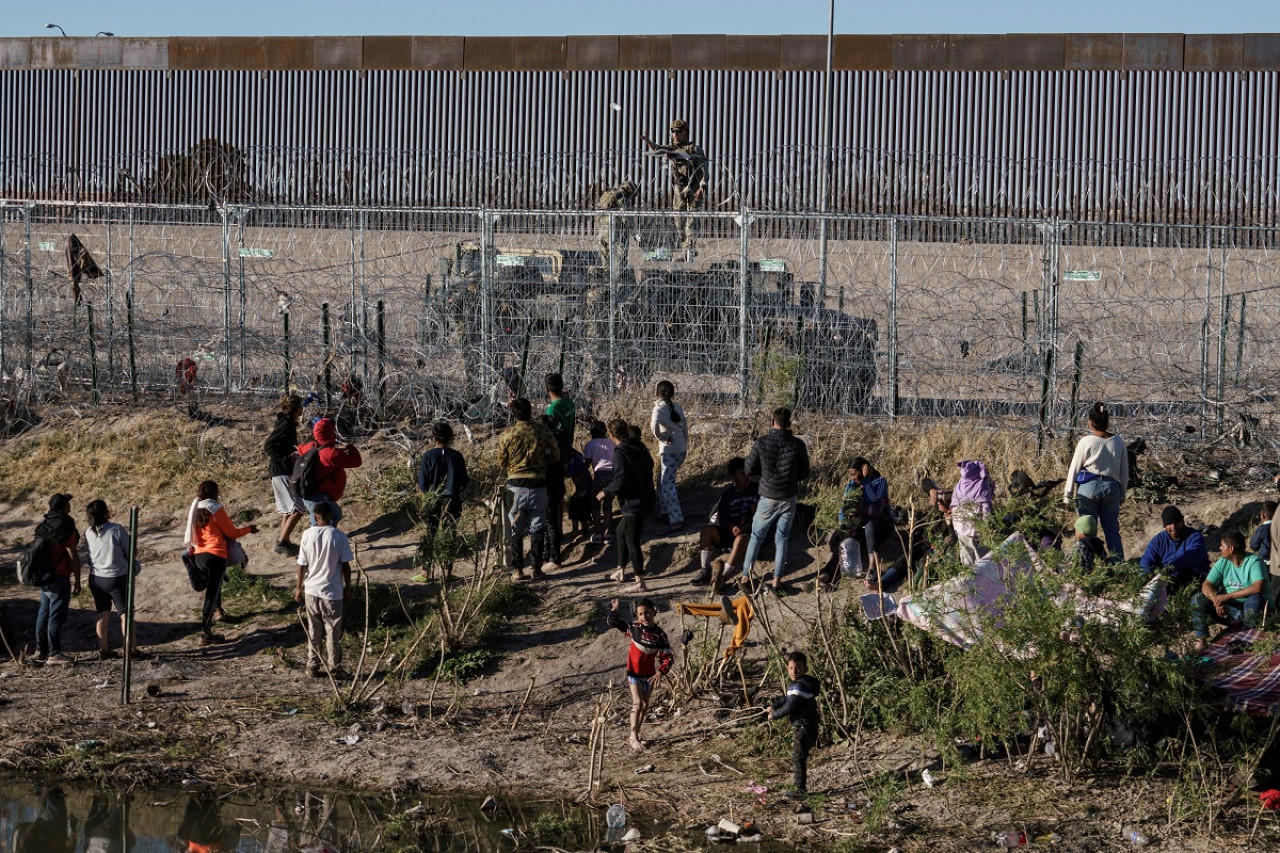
(245, 711)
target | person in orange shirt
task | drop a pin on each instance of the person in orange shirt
(209, 529)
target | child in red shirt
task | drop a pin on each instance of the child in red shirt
(648, 659)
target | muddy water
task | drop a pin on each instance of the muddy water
(50, 818)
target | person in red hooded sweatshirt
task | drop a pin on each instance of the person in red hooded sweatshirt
(331, 470)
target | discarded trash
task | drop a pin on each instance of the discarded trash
(728, 827)
(1134, 837)
(348, 740)
(616, 816)
(289, 712)
(1011, 838)
(648, 768)
(510, 833)
(490, 804)
(88, 744)
(1270, 799)
(106, 682)
(631, 834)
(927, 778)
(804, 818)
(1050, 748)
(192, 783)
(153, 690)
(750, 839)
(1051, 838)
(713, 831)
(416, 810)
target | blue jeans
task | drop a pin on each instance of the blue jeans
(1246, 611)
(55, 601)
(1100, 497)
(310, 504)
(768, 511)
(528, 513)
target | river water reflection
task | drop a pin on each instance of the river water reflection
(39, 817)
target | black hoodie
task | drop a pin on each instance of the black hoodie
(632, 482)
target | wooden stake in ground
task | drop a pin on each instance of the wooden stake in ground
(523, 702)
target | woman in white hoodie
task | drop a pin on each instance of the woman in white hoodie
(1099, 476)
(671, 428)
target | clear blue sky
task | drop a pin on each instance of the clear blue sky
(594, 17)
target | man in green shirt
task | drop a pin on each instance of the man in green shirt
(561, 418)
(1234, 592)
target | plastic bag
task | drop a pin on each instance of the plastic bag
(850, 558)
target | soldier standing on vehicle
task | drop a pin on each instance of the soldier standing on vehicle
(688, 179)
(621, 198)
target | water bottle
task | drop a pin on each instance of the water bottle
(1011, 838)
(616, 816)
(1134, 837)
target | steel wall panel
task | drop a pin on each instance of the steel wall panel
(15, 53)
(863, 53)
(803, 53)
(1213, 53)
(388, 52)
(644, 52)
(912, 52)
(1153, 51)
(1261, 51)
(338, 52)
(592, 53)
(1093, 51)
(978, 53)
(1035, 52)
(697, 51)
(444, 53)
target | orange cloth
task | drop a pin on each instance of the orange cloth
(212, 538)
(741, 608)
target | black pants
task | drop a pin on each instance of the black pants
(628, 532)
(805, 738)
(215, 568)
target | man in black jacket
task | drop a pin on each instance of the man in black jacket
(781, 461)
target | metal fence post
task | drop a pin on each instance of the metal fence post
(1224, 313)
(353, 317)
(613, 301)
(382, 351)
(364, 303)
(486, 293)
(93, 358)
(327, 333)
(242, 310)
(744, 301)
(3, 337)
(111, 361)
(128, 296)
(893, 321)
(288, 367)
(1204, 330)
(226, 299)
(31, 287)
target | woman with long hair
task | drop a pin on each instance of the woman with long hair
(108, 545)
(670, 426)
(209, 531)
(1099, 476)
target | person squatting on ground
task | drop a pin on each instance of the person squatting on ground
(209, 532)
(621, 198)
(524, 450)
(800, 705)
(1086, 548)
(670, 426)
(108, 545)
(1178, 550)
(971, 503)
(1099, 475)
(781, 462)
(61, 539)
(730, 525)
(632, 486)
(599, 455)
(442, 477)
(688, 179)
(1234, 592)
(561, 417)
(280, 447)
(324, 582)
(332, 463)
(648, 659)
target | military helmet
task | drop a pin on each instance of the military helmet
(679, 124)
(629, 188)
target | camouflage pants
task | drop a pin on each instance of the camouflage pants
(619, 242)
(684, 224)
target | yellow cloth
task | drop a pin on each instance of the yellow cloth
(741, 608)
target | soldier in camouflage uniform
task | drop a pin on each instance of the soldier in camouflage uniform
(688, 179)
(616, 199)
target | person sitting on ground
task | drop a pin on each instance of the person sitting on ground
(599, 454)
(331, 468)
(632, 485)
(1234, 592)
(869, 521)
(1087, 549)
(971, 501)
(1260, 541)
(1178, 550)
(730, 525)
(108, 545)
(648, 659)
(280, 447)
(843, 541)
(800, 705)
(324, 583)
(442, 476)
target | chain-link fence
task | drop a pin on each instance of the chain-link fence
(423, 313)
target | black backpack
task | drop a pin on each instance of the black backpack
(306, 474)
(35, 565)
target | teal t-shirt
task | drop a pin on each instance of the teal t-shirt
(1228, 577)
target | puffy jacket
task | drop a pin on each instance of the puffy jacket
(331, 479)
(781, 461)
(632, 482)
(525, 449)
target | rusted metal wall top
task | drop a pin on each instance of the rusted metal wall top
(1014, 52)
